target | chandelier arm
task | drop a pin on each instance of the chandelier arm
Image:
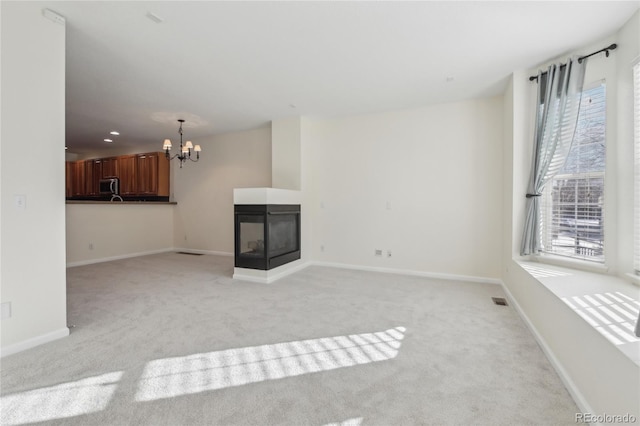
(172, 157)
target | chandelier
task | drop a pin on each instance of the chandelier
(185, 150)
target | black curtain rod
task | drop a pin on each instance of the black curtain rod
(581, 58)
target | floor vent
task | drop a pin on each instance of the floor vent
(191, 254)
(500, 301)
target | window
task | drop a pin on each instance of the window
(636, 120)
(573, 202)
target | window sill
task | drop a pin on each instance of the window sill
(594, 297)
(567, 262)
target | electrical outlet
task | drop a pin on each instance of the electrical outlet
(20, 201)
(388, 253)
(378, 252)
(322, 248)
(90, 246)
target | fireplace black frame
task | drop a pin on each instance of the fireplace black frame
(265, 211)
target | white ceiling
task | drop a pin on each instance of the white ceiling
(227, 66)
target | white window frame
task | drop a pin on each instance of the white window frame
(636, 133)
(546, 203)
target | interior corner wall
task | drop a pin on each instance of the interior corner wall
(628, 51)
(286, 148)
(415, 184)
(519, 157)
(306, 187)
(33, 116)
(507, 173)
(203, 217)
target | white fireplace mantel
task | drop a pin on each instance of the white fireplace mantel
(266, 196)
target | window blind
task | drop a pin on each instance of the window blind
(572, 204)
(636, 120)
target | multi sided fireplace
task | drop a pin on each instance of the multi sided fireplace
(266, 235)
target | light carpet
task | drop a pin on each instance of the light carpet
(171, 339)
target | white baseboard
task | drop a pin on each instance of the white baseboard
(34, 341)
(573, 390)
(268, 276)
(450, 277)
(198, 251)
(119, 257)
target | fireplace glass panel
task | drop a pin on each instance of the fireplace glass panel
(266, 235)
(283, 234)
(252, 235)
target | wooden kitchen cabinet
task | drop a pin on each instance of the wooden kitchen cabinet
(143, 175)
(109, 167)
(68, 178)
(153, 174)
(147, 165)
(127, 172)
(78, 186)
(92, 176)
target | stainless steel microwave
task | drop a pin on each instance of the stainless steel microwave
(110, 186)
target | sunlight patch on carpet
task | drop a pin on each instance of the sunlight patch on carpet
(171, 377)
(61, 401)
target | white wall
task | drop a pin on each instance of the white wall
(33, 121)
(423, 183)
(97, 232)
(204, 190)
(286, 158)
(602, 378)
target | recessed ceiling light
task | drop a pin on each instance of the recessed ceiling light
(108, 140)
(115, 133)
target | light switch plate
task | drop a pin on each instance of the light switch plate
(5, 310)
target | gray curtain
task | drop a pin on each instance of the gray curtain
(557, 107)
